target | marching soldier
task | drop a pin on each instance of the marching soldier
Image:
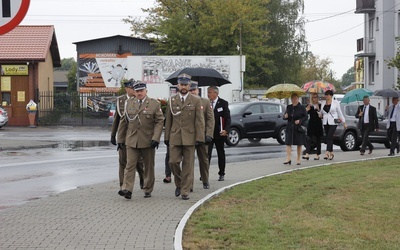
(202, 150)
(119, 113)
(144, 124)
(184, 129)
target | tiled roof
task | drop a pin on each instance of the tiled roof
(29, 43)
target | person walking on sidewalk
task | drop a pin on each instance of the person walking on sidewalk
(296, 116)
(120, 140)
(393, 124)
(222, 118)
(202, 150)
(184, 130)
(332, 116)
(143, 124)
(314, 126)
(367, 123)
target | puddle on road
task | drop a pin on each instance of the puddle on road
(80, 145)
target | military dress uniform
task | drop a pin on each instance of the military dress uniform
(144, 125)
(119, 113)
(184, 126)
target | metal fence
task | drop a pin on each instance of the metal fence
(75, 109)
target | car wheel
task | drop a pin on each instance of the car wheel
(254, 140)
(281, 135)
(349, 142)
(387, 144)
(233, 137)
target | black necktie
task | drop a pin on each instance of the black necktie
(212, 104)
(183, 100)
(391, 113)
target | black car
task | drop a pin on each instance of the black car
(350, 139)
(256, 120)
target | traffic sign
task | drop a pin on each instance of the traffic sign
(11, 14)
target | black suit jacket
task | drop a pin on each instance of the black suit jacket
(221, 109)
(372, 117)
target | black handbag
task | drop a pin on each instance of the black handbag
(301, 129)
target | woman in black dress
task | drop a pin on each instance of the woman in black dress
(314, 128)
(296, 115)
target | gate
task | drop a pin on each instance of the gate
(75, 109)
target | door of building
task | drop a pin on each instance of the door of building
(18, 116)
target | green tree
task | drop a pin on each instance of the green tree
(66, 64)
(315, 68)
(395, 62)
(71, 77)
(348, 77)
(266, 29)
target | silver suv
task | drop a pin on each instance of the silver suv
(350, 139)
(3, 117)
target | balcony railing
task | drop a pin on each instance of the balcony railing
(365, 6)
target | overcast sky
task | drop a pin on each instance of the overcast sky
(329, 36)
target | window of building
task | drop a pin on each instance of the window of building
(377, 24)
(377, 67)
(371, 73)
(371, 28)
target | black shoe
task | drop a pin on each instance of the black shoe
(221, 178)
(391, 154)
(298, 163)
(361, 153)
(398, 149)
(120, 192)
(206, 185)
(200, 178)
(191, 190)
(147, 195)
(185, 197)
(306, 158)
(177, 191)
(167, 179)
(370, 151)
(288, 162)
(127, 194)
(141, 183)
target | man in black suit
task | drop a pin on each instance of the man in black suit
(368, 122)
(221, 114)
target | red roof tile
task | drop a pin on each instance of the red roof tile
(29, 43)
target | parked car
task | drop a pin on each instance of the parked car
(256, 120)
(350, 139)
(3, 117)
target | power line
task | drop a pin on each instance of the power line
(328, 17)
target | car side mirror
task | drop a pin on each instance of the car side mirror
(247, 113)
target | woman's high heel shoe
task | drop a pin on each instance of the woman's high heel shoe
(316, 158)
(306, 157)
(326, 157)
(288, 162)
(331, 157)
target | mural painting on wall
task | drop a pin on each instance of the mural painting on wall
(156, 69)
(359, 66)
(101, 72)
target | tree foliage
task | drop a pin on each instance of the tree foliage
(348, 77)
(395, 62)
(71, 77)
(66, 64)
(270, 32)
(315, 68)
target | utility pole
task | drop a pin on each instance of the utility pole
(241, 66)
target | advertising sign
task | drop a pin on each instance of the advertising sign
(14, 70)
(101, 72)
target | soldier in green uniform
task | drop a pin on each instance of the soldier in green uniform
(120, 140)
(143, 123)
(184, 130)
(202, 150)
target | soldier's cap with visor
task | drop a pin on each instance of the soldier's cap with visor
(193, 85)
(139, 86)
(184, 78)
(130, 83)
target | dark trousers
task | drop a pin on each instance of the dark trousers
(317, 141)
(167, 168)
(219, 145)
(365, 131)
(329, 131)
(392, 136)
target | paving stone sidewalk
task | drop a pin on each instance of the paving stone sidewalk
(96, 217)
